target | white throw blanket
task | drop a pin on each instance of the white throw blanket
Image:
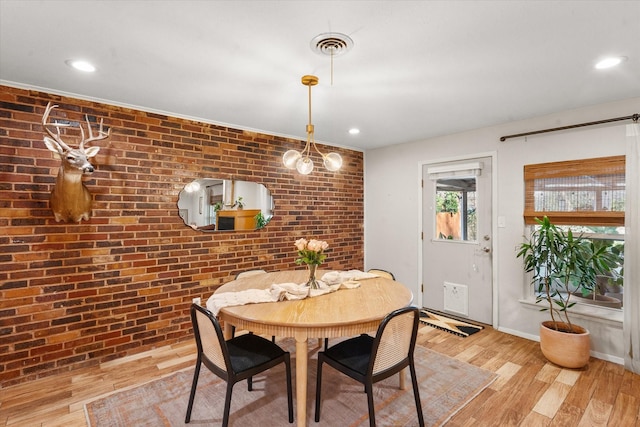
(330, 282)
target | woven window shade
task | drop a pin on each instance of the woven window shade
(582, 192)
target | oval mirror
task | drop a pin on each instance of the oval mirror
(210, 204)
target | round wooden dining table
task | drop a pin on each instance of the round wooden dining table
(344, 313)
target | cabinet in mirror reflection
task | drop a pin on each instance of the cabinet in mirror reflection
(211, 204)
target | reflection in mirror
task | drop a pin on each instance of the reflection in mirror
(456, 208)
(210, 204)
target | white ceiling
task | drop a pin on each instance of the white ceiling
(417, 69)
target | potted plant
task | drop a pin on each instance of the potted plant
(261, 220)
(238, 204)
(560, 265)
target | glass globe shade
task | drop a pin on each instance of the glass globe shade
(304, 165)
(290, 158)
(333, 162)
(192, 187)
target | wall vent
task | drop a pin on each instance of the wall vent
(456, 298)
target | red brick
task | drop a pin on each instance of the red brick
(135, 257)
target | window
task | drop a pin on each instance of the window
(588, 196)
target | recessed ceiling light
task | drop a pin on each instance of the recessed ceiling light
(354, 131)
(80, 65)
(610, 62)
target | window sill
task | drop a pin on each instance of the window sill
(585, 311)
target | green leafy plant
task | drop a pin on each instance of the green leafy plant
(239, 203)
(261, 220)
(614, 277)
(447, 201)
(560, 264)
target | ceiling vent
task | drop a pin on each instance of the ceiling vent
(331, 44)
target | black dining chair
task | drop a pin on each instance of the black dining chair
(234, 360)
(369, 359)
(382, 273)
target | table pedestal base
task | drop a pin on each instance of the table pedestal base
(302, 359)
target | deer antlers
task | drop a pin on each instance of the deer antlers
(56, 136)
(70, 200)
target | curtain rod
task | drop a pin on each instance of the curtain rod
(633, 117)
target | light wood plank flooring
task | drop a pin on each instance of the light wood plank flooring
(528, 392)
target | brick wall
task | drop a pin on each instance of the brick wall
(73, 295)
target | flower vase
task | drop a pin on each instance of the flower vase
(312, 282)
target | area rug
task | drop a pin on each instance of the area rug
(446, 386)
(448, 324)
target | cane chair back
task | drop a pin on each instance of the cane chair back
(395, 342)
(210, 339)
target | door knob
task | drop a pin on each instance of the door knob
(486, 249)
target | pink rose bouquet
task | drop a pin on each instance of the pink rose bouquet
(311, 252)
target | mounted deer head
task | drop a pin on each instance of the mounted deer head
(70, 199)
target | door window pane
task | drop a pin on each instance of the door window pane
(456, 213)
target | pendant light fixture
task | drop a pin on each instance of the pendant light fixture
(293, 159)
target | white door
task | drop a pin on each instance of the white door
(457, 240)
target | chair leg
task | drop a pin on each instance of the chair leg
(326, 344)
(192, 395)
(227, 404)
(372, 415)
(319, 385)
(416, 394)
(250, 383)
(287, 362)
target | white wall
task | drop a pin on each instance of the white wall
(392, 191)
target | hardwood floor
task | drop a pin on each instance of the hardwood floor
(528, 392)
